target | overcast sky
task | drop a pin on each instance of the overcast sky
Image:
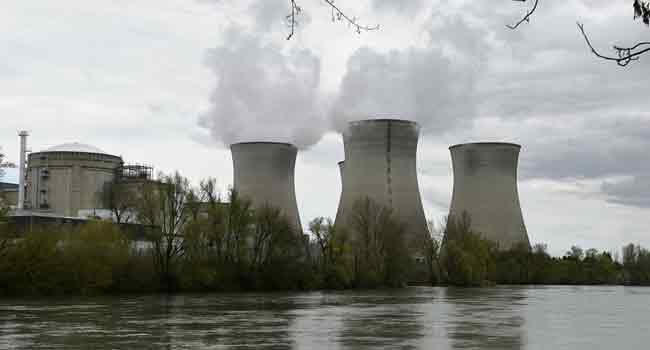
(172, 82)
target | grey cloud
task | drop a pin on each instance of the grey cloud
(594, 147)
(632, 192)
(263, 93)
(401, 6)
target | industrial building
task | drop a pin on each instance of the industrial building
(68, 179)
(264, 174)
(485, 187)
(380, 164)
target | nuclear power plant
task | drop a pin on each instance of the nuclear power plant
(380, 164)
(264, 174)
(67, 183)
(68, 178)
(485, 187)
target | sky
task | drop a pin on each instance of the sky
(172, 83)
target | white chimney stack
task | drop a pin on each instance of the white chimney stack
(21, 171)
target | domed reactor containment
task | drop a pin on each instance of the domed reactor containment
(68, 178)
(380, 164)
(485, 186)
(264, 174)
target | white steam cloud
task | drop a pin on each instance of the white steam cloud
(415, 84)
(263, 93)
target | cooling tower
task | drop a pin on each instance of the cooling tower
(341, 169)
(380, 164)
(264, 173)
(485, 186)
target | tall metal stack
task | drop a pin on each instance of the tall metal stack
(380, 164)
(485, 187)
(23, 167)
(264, 173)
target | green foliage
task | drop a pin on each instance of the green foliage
(83, 260)
(93, 256)
(2, 163)
(379, 250)
(636, 264)
(5, 237)
(333, 260)
(469, 259)
(197, 242)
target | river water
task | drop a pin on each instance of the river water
(414, 318)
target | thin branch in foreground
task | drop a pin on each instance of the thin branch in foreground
(642, 10)
(337, 15)
(291, 18)
(624, 55)
(526, 18)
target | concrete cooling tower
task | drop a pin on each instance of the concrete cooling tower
(485, 186)
(380, 163)
(264, 173)
(341, 169)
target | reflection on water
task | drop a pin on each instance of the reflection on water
(486, 318)
(414, 318)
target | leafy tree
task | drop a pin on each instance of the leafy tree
(469, 258)
(238, 227)
(575, 253)
(93, 257)
(334, 250)
(380, 255)
(162, 207)
(277, 254)
(636, 263)
(2, 163)
(32, 267)
(5, 237)
(430, 247)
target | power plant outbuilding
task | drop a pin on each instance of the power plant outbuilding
(264, 173)
(485, 187)
(380, 164)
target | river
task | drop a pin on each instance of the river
(413, 318)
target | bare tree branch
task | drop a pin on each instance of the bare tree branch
(337, 15)
(642, 10)
(624, 55)
(291, 18)
(526, 18)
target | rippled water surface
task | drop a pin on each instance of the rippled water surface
(414, 318)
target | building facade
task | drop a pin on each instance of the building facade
(69, 178)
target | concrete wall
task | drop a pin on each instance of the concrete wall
(380, 163)
(485, 186)
(68, 181)
(264, 173)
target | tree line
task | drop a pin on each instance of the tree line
(196, 240)
(464, 258)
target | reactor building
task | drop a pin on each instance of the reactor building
(380, 164)
(264, 174)
(485, 187)
(68, 179)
